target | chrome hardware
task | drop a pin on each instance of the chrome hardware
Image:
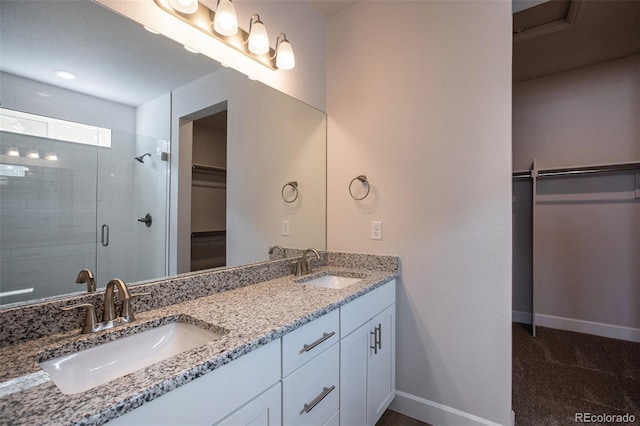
(377, 339)
(303, 264)
(86, 276)
(294, 188)
(105, 235)
(325, 391)
(325, 336)
(364, 181)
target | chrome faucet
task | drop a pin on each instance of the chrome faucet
(86, 276)
(109, 318)
(303, 265)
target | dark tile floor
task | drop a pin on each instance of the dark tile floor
(561, 373)
(392, 418)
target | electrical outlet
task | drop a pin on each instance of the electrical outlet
(376, 230)
(285, 228)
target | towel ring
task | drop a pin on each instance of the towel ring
(294, 185)
(364, 181)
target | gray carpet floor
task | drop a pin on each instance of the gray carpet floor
(561, 373)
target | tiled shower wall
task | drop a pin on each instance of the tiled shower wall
(51, 218)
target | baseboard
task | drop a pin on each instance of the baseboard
(434, 413)
(521, 317)
(589, 327)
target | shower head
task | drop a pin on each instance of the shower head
(140, 159)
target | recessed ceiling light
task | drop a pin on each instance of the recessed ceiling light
(51, 156)
(13, 152)
(191, 49)
(66, 75)
(32, 153)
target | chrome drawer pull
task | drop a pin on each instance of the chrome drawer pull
(325, 391)
(325, 336)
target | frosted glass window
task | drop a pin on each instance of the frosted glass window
(68, 131)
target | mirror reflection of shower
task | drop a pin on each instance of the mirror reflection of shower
(140, 158)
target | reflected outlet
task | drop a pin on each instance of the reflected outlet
(285, 228)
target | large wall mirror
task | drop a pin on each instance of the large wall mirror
(153, 161)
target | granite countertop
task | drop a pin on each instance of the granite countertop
(248, 317)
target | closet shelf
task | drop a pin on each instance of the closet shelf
(580, 170)
(208, 169)
(212, 233)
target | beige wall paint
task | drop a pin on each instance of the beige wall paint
(424, 111)
(585, 116)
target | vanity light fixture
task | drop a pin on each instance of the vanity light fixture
(258, 37)
(33, 153)
(225, 21)
(13, 151)
(284, 53)
(222, 25)
(185, 6)
(51, 156)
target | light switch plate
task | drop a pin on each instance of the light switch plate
(376, 230)
(285, 228)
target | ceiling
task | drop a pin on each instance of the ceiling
(114, 57)
(586, 32)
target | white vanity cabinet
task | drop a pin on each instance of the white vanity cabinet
(336, 370)
(311, 372)
(367, 357)
(211, 398)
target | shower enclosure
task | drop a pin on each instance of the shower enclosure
(71, 196)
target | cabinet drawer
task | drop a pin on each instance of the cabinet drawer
(303, 344)
(310, 396)
(361, 310)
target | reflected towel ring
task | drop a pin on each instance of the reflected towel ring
(294, 186)
(364, 181)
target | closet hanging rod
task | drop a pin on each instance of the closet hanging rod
(580, 170)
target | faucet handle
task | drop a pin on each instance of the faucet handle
(90, 321)
(126, 311)
(297, 267)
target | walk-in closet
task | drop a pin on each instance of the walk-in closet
(209, 192)
(576, 210)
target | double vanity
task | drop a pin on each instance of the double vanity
(246, 345)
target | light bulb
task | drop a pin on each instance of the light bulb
(258, 37)
(185, 6)
(284, 56)
(13, 152)
(225, 21)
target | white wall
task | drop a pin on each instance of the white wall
(425, 112)
(586, 228)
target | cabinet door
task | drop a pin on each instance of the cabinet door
(381, 364)
(264, 410)
(354, 353)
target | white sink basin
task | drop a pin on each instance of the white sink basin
(332, 281)
(84, 370)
